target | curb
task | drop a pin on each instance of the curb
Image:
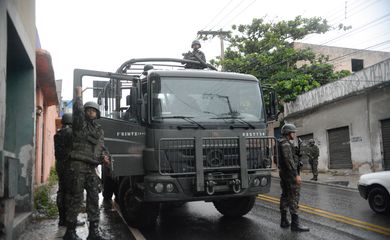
(326, 184)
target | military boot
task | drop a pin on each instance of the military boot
(315, 178)
(296, 226)
(94, 233)
(284, 223)
(70, 233)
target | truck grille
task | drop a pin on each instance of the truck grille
(221, 153)
(177, 156)
(260, 152)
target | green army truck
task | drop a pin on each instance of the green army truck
(177, 135)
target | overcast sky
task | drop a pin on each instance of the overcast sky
(101, 35)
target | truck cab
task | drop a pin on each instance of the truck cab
(177, 135)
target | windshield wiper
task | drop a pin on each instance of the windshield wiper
(188, 119)
(234, 116)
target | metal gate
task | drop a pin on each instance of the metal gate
(386, 143)
(339, 148)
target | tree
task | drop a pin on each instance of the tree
(266, 51)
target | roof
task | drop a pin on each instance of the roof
(375, 76)
(203, 74)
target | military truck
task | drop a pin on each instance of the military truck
(177, 135)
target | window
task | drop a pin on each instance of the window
(357, 64)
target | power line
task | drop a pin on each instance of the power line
(226, 15)
(215, 17)
(356, 29)
(242, 11)
(360, 50)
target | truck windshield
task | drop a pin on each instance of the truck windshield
(206, 100)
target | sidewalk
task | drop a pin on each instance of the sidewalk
(344, 179)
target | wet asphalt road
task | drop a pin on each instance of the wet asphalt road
(330, 212)
(200, 220)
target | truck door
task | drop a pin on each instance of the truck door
(124, 137)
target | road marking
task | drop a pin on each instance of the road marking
(136, 233)
(333, 216)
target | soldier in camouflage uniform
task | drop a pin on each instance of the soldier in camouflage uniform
(313, 153)
(195, 55)
(87, 153)
(62, 147)
(290, 179)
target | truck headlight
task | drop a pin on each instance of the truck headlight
(264, 181)
(170, 187)
(159, 187)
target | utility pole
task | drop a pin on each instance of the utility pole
(221, 34)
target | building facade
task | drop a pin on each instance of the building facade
(349, 120)
(26, 115)
(349, 59)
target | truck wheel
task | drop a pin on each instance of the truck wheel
(235, 207)
(379, 200)
(123, 187)
(108, 187)
(140, 214)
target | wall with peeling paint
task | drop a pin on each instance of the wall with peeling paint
(359, 101)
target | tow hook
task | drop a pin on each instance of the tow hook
(210, 187)
(236, 185)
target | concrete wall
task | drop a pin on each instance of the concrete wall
(17, 113)
(359, 101)
(351, 85)
(342, 56)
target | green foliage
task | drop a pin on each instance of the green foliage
(266, 51)
(43, 204)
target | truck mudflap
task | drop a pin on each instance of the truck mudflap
(168, 189)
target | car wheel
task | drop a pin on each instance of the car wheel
(379, 200)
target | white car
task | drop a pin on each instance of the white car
(376, 188)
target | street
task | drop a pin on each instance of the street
(330, 212)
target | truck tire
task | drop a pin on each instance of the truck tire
(140, 214)
(379, 200)
(235, 207)
(108, 186)
(123, 187)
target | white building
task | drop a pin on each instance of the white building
(349, 119)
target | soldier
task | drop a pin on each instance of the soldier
(195, 55)
(313, 153)
(290, 180)
(62, 147)
(87, 153)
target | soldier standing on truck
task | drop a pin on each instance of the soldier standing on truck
(195, 55)
(290, 180)
(313, 153)
(87, 153)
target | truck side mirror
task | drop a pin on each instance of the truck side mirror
(99, 100)
(272, 105)
(128, 100)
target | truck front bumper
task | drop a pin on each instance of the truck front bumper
(170, 189)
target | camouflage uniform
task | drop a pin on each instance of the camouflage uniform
(313, 153)
(288, 170)
(86, 155)
(191, 56)
(63, 147)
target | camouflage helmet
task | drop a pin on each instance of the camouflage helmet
(288, 128)
(94, 106)
(66, 119)
(196, 42)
